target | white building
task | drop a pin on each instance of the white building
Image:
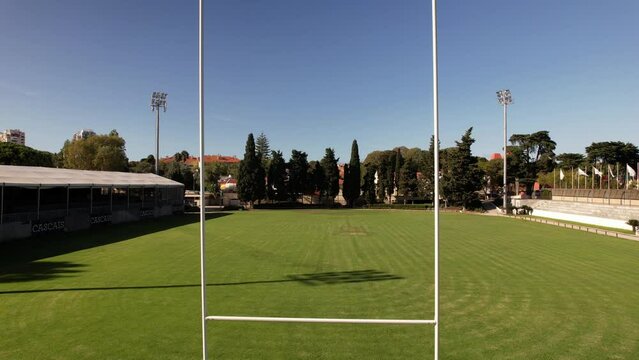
(13, 136)
(83, 134)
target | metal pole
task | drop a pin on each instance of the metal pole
(68, 186)
(436, 175)
(202, 207)
(157, 142)
(505, 155)
(2, 204)
(38, 212)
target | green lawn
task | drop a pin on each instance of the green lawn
(509, 289)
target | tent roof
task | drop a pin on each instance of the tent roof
(29, 176)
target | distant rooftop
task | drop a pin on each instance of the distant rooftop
(208, 159)
(33, 176)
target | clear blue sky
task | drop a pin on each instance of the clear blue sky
(314, 74)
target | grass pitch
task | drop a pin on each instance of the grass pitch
(509, 290)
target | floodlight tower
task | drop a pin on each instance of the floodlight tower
(505, 98)
(158, 100)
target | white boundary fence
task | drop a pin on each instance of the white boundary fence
(206, 317)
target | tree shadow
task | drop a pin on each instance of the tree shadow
(35, 248)
(343, 277)
(313, 279)
(40, 270)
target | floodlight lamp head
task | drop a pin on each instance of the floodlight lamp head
(158, 100)
(504, 97)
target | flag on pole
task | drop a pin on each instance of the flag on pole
(596, 171)
(581, 172)
(631, 171)
(561, 175)
(376, 178)
(610, 172)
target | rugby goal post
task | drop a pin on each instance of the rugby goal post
(205, 317)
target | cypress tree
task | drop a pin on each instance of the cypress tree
(331, 173)
(462, 179)
(354, 176)
(263, 149)
(346, 184)
(250, 183)
(369, 183)
(297, 174)
(277, 177)
(317, 181)
(399, 162)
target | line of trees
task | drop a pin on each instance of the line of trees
(400, 172)
(268, 176)
(16, 154)
(531, 158)
(403, 173)
(409, 174)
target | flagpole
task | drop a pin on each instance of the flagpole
(617, 178)
(554, 178)
(572, 177)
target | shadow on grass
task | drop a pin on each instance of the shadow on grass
(343, 277)
(17, 254)
(327, 278)
(41, 270)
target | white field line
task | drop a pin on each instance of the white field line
(320, 320)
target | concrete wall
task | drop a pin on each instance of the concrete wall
(613, 216)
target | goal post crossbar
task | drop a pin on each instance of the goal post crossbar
(320, 320)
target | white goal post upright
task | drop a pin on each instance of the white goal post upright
(201, 164)
(436, 173)
(205, 317)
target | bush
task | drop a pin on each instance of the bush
(288, 205)
(634, 223)
(233, 207)
(360, 202)
(474, 204)
(191, 208)
(546, 194)
(526, 210)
